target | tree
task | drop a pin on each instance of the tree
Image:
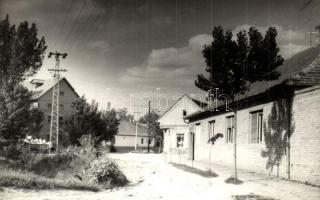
(111, 124)
(153, 127)
(21, 56)
(87, 120)
(234, 64)
(21, 51)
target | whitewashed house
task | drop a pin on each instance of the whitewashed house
(176, 130)
(125, 140)
(278, 125)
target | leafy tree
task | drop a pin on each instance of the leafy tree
(87, 120)
(36, 121)
(234, 64)
(153, 126)
(151, 119)
(111, 124)
(21, 51)
(21, 55)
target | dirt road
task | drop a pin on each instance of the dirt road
(151, 178)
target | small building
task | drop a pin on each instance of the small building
(125, 139)
(278, 125)
(42, 98)
(175, 129)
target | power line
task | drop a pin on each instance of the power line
(64, 24)
(74, 24)
(80, 29)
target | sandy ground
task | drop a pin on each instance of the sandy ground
(151, 178)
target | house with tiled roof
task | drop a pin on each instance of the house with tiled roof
(278, 125)
(131, 135)
(42, 98)
(175, 129)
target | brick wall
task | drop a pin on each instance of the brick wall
(305, 140)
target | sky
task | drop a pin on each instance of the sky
(127, 51)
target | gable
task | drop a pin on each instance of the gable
(174, 115)
(69, 93)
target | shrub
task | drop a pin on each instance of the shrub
(25, 179)
(12, 152)
(27, 158)
(233, 180)
(107, 173)
(50, 165)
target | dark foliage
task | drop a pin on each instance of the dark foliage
(153, 127)
(21, 55)
(21, 51)
(233, 180)
(215, 138)
(233, 64)
(87, 120)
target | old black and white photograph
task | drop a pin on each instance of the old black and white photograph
(160, 99)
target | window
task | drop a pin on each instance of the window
(229, 129)
(61, 106)
(49, 105)
(49, 118)
(35, 105)
(62, 93)
(256, 127)
(141, 140)
(60, 119)
(184, 112)
(180, 140)
(211, 129)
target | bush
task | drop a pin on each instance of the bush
(25, 179)
(107, 173)
(50, 165)
(12, 152)
(233, 180)
(27, 158)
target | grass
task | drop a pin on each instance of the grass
(195, 171)
(28, 180)
(251, 197)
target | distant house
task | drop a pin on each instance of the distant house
(42, 99)
(278, 125)
(125, 139)
(176, 130)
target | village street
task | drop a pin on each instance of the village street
(151, 178)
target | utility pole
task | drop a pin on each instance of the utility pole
(54, 125)
(149, 107)
(137, 121)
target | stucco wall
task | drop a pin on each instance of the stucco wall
(248, 154)
(304, 141)
(129, 140)
(172, 123)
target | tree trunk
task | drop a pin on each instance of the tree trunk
(235, 145)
